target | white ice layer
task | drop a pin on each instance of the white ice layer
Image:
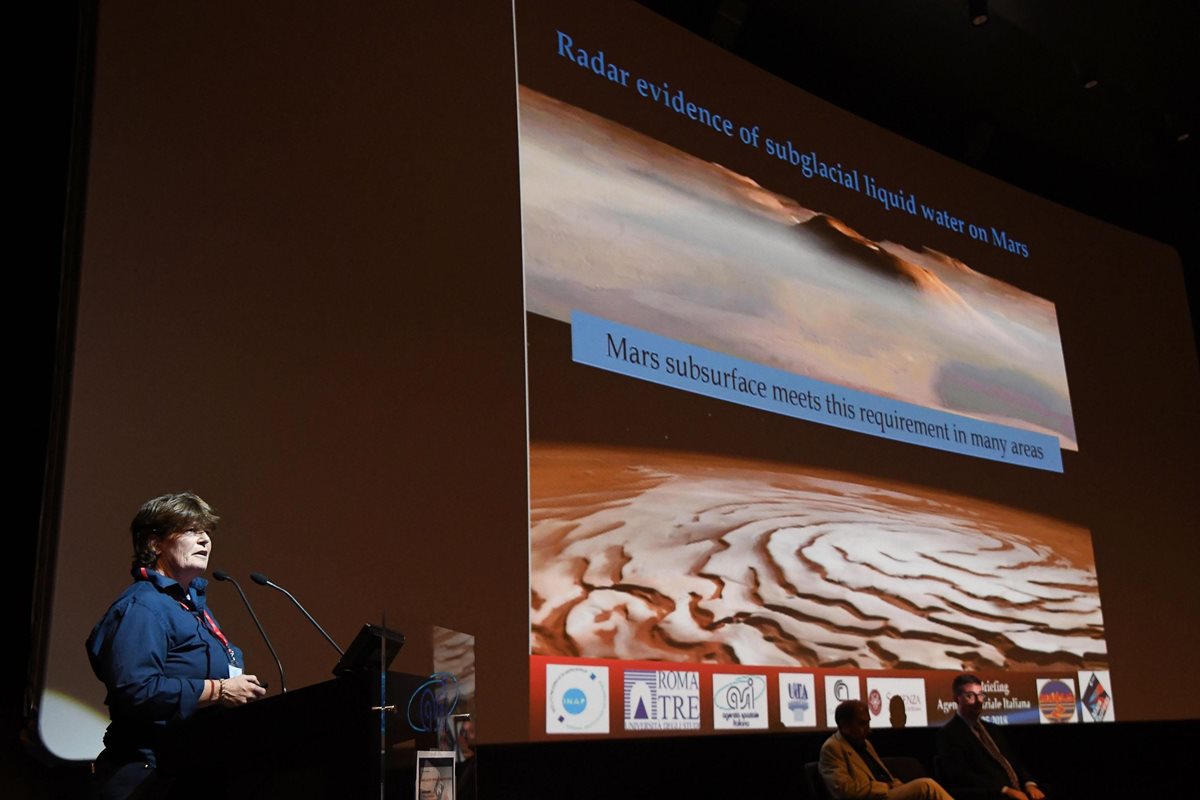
(778, 568)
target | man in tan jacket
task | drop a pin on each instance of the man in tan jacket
(853, 770)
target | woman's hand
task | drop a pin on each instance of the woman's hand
(232, 691)
(241, 690)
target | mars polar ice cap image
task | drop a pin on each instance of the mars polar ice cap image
(644, 554)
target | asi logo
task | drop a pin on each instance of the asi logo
(1096, 696)
(839, 689)
(797, 700)
(1056, 700)
(662, 700)
(576, 699)
(739, 701)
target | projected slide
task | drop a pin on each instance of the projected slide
(685, 573)
(632, 230)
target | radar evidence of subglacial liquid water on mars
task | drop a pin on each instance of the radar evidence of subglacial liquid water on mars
(643, 554)
(627, 228)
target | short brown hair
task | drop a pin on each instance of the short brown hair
(161, 516)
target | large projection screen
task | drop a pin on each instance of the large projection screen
(674, 385)
(723, 277)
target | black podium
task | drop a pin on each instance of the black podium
(328, 740)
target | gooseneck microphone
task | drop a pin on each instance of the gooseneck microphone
(262, 580)
(222, 575)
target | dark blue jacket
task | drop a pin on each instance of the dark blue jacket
(153, 649)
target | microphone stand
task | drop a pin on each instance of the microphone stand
(222, 575)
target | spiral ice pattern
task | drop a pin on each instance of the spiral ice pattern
(640, 554)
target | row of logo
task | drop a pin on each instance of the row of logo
(577, 700)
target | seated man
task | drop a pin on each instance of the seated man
(851, 768)
(973, 755)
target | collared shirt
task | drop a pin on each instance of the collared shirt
(153, 649)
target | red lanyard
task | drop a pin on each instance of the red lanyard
(216, 631)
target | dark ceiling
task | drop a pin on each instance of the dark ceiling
(1007, 97)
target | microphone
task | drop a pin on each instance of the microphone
(262, 580)
(222, 575)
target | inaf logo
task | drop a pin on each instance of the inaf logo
(574, 701)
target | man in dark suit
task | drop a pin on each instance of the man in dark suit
(975, 760)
